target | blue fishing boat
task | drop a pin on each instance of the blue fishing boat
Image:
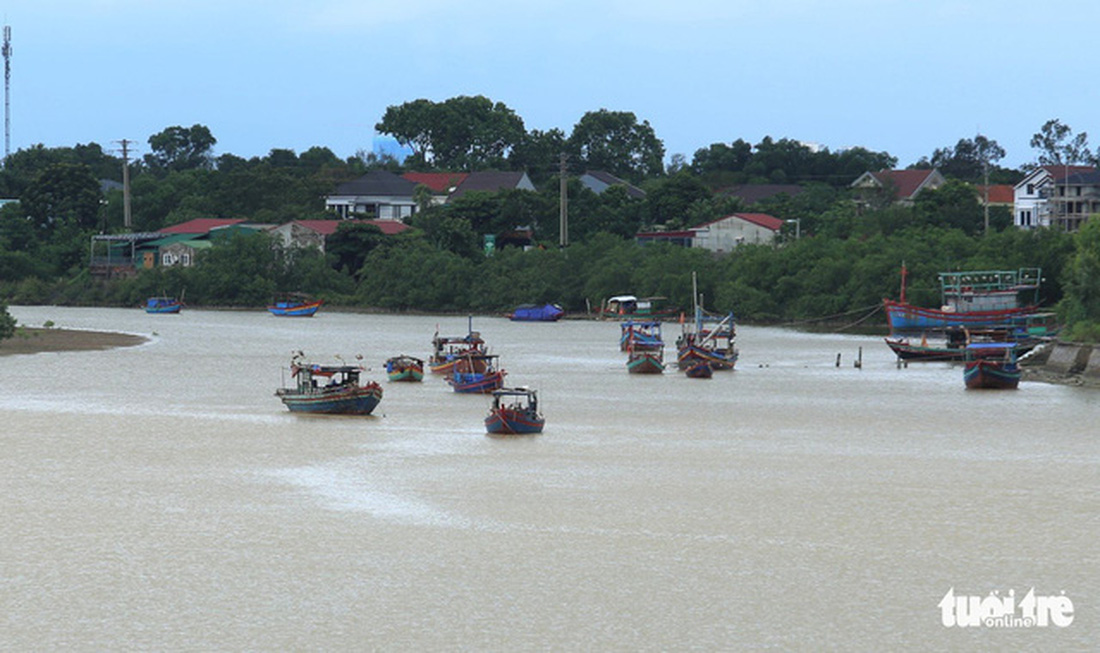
(991, 365)
(294, 305)
(534, 313)
(329, 389)
(707, 338)
(640, 335)
(479, 375)
(452, 354)
(646, 361)
(163, 305)
(975, 299)
(515, 411)
(405, 368)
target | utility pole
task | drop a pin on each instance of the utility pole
(127, 221)
(985, 174)
(564, 202)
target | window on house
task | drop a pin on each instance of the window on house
(1031, 189)
(185, 259)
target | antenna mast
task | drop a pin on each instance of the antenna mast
(7, 92)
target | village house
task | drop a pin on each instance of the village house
(895, 186)
(315, 233)
(1057, 196)
(599, 181)
(722, 235)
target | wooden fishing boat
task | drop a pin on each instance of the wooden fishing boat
(645, 361)
(629, 307)
(534, 313)
(452, 354)
(700, 369)
(515, 411)
(405, 368)
(329, 389)
(486, 380)
(294, 305)
(640, 335)
(166, 305)
(953, 346)
(973, 299)
(706, 337)
(992, 366)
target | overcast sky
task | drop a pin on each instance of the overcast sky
(899, 76)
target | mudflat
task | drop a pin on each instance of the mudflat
(34, 340)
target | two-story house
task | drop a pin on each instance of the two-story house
(1058, 196)
(895, 186)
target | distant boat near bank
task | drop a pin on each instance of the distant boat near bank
(536, 313)
(294, 305)
(167, 305)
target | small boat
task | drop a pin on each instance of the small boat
(700, 369)
(405, 368)
(515, 411)
(482, 376)
(294, 305)
(953, 348)
(640, 335)
(706, 338)
(329, 389)
(163, 305)
(991, 365)
(534, 313)
(645, 361)
(452, 354)
(628, 307)
(975, 299)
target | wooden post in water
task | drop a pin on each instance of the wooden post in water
(838, 359)
(859, 360)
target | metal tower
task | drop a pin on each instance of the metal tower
(7, 91)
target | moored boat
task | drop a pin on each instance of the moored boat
(706, 337)
(294, 305)
(640, 335)
(629, 307)
(479, 375)
(329, 389)
(972, 299)
(515, 411)
(535, 313)
(452, 354)
(645, 361)
(992, 366)
(699, 369)
(405, 368)
(953, 346)
(165, 305)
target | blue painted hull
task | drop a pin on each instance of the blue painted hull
(513, 422)
(355, 401)
(990, 374)
(475, 383)
(294, 310)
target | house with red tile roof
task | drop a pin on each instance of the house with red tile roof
(900, 186)
(442, 184)
(199, 226)
(315, 233)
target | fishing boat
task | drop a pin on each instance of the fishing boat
(163, 305)
(535, 313)
(971, 299)
(486, 380)
(953, 346)
(699, 369)
(707, 337)
(329, 389)
(515, 411)
(294, 305)
(405, 368)
(645, 361)
(629, 307)
(991, 365)
(640, 335)
(452, 354)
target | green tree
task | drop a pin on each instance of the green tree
(969, 160)
(1080, 309)
(181, 148)
(63, 192)
(1058, 145)
(616, 142)
(7, 322)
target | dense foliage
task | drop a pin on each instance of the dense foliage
(836, 259)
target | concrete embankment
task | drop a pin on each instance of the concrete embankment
(1070, 363)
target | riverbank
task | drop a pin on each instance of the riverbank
(29, 340)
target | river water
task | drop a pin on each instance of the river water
(161, 498)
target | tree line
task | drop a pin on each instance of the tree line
(846, 257)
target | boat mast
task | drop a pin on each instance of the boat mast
(904, 272)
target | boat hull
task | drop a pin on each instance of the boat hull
(906, 317)
(476, 383)
(990, 374)
(505, 421)
(645, 362)
(164, 310)
(296, 310)
(699, 370)
(717, 360)
(407, 375)
(360, 400)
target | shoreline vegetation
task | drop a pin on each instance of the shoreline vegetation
(32, 340)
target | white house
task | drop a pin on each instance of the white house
(378, 195)
(1056, 196)
(725, 234)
